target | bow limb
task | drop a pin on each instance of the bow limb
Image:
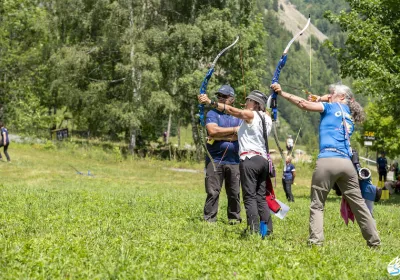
(272, 100)
(203, 89)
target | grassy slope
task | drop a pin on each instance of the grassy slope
(137, 219)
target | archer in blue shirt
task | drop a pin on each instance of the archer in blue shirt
(224, 149)
(334, 163)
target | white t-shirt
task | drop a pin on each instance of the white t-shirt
(250, 136)
(289, 142)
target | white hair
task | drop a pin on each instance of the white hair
(356, 110)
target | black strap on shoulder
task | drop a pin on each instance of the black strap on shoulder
(264, 131)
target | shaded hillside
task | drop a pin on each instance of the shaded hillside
(294, 21)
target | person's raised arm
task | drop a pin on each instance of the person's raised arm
(246, 115)
(298, 101)
(317, 98)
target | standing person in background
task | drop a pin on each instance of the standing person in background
(224, 150)
(395, 169)
(334, 164)
(254, 166)
(289, 173)
(381, 164)
(289, 145)
(165, 137)
(5, 141)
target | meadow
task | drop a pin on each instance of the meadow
(142, 219)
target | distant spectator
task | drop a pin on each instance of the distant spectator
(395, 169)
(289, 173)
(165, 136)
(381, 164)
(5, 141)
(397, 186)
(289, 144)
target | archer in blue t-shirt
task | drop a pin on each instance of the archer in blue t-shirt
(334, 164)
(333, 139)
(224, 149)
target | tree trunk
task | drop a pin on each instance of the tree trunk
(179, 133)
(132, 142)
(169, 127)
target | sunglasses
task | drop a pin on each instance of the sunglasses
(223, 96)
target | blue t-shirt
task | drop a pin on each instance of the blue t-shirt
(218, 148)
(4, 130)
(287, 172)
(332, 135)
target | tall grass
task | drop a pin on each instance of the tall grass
(141, 219)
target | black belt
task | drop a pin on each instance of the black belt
(335, 150)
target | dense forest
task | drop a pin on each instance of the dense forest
(128, 70)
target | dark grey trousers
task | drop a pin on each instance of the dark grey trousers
(287, 187)
(5, 150)
(253, 174)
(230, 174)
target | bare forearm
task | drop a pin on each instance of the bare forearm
(296, 100)
(219, 132)
(238, 113)
(324, 98)
(232, 137)
(302, 103)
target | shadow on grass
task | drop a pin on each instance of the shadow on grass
(329, 198)
(394, 199)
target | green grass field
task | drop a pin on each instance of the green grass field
(138, 219)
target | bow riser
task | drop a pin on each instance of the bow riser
(203, 90)
(275, 79)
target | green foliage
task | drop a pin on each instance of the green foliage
(386, 128)
(371, 54)
(120, 68)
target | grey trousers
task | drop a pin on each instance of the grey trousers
(213, 182)
(339, 170)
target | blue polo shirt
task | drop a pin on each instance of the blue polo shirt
(4, 130)
(223, 152)
(332, 135)
(287, 172)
